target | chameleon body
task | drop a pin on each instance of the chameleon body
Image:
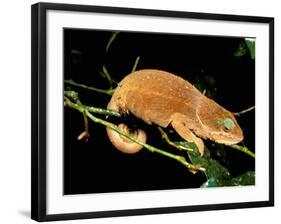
(162, 98)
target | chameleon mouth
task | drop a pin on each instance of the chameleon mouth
(229, 140)
(225, 142)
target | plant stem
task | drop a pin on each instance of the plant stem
(178, 158)
(73, 95)
(96, 110)
(244, 111)
(136, 64)
(243, 149)
(105, 91)
(110, 41)
(238, 147)
(85, 134)
(107, 76)
(166, 138)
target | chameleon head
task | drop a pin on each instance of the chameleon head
(220, 125)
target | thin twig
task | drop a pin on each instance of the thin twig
(244, 111)
(204, 92)
(166, 138)
(136, 64)
(104, 71)
(85, 134)
(108, 91)
(107, 76)
(111, 39)
(243, 149)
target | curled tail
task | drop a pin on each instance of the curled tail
(121, 142)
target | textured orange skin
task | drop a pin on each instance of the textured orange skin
(162, 98)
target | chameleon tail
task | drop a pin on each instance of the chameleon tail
(124, 144)
(121, 142)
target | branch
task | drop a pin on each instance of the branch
(83, 109)
(166, 138)
(105, 91)
(244, 111)
(243, 149)
(74, 96)
(181, 147)
(180, 159)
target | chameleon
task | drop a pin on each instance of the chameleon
(162, 98)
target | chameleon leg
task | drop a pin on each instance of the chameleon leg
(181, 127)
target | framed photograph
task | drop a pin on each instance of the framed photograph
(139, 111)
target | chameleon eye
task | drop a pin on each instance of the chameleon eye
(226, 129)
(227, 124)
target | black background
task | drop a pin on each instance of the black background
(96, 166)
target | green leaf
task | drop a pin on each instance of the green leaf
(187, 145)
(241, 50)
(248, 45)
(213, 182)
(76, 52)
(250, 42)
(247, 178)
(206, 84)
(216, 174)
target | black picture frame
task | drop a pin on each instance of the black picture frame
(39, 122)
